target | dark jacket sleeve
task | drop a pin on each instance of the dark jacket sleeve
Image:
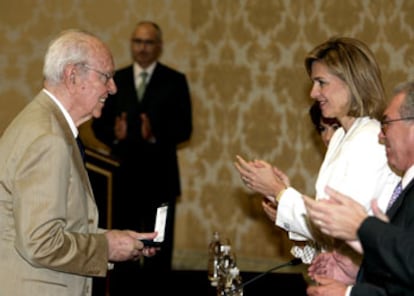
(168, 106)
(391, 247)
(364, 289)
(388, 261)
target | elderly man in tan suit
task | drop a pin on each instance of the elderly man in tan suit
(49, 240)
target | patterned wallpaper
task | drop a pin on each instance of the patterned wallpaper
(244, 62)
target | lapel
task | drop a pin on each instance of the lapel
(69, 139)
(152, 81)
(335, 149)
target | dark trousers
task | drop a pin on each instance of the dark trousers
(125, 278)
(134, 207)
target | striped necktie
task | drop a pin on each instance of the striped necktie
(395, 194)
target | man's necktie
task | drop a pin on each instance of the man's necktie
(142, 85)
(395, 194)
(81, 147)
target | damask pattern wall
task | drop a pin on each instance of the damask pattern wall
(244, 62)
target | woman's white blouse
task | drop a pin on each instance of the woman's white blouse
(355, 164)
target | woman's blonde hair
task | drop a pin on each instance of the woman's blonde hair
(353, 62)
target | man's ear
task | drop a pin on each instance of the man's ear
(69, 74)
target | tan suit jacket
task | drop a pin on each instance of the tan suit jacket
(49, 240)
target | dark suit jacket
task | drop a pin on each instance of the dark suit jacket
(388, 264)
(151, 169)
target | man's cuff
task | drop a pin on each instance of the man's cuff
(348, 290)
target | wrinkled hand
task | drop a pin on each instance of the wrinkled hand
(125, 245)
(334, 265)
(270, 209)
(326, 287)
(339, 216)
(121, 126)
(259, 176)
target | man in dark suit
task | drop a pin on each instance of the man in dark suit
(386, 241)
(143, 124)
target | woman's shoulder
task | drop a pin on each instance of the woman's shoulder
(365, 127)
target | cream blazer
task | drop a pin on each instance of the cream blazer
(49, 240)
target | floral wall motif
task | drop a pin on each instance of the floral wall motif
(244, 62)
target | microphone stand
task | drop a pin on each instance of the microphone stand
(293, 262)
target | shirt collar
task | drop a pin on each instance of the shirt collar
(69, 119)
(408, 176)
(149, 70)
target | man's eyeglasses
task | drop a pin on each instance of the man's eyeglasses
(385, 122)
(106, 76)
(146, 42)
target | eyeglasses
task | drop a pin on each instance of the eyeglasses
(106, 76)
(385, 122)
(146, 42)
